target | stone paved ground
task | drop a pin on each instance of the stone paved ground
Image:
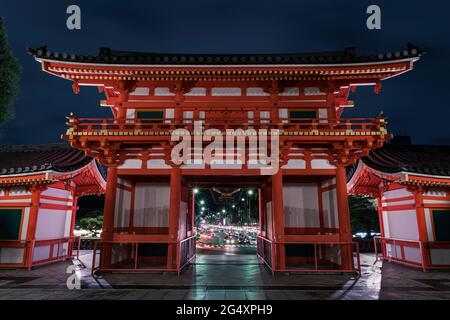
(226, 277)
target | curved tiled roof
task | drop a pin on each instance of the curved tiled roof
(108, 56)
(420, 159)
(19, 159)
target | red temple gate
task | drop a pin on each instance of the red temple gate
(299, 99)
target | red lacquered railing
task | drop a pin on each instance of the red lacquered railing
(131, 259)
(268, 250)
(29, 246)
(109, 126)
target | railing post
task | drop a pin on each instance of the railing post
(316, 264)
(358, 258)
(136, 251)
(375, 249)
(94, 251)
(78, 248)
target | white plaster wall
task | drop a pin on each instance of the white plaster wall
(412, 254)
(60, 193)
(399, 193)
(41, 253)
(402, 225)
(51, 224)
(131, 164)
(295, 164)
(321, 164)
(157, 164)
(197, 92)
(122, 209)
(301, 208)
(151, 208)
(330, 211)
(163, 91)
(226, 92)
(11, 255)
(140, 91)
(256, 91)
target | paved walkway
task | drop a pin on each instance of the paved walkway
(226, 276)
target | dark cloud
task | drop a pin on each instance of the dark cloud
(416, 103)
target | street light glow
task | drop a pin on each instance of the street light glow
(196, 191)
(250, 192)
(223, 210)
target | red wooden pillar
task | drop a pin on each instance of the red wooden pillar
(108, 215)
(132, 204)
(262, 213)
(174, 216)
(72, 222)
(345, 234)
(422, 225)
(381, 222)
(320, 208)
(278, 221)
(32, 223)
(74, 214)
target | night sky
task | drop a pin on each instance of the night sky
(416, 103)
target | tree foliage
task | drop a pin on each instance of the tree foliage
(91, 223)
(363, 214)
(9, 76)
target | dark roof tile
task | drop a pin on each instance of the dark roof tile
(15, 159)
(420, 159)
(108, 56)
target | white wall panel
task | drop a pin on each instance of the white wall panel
(11, 255)
(41, 253)
(226, 92)
(301, 207)
(412, 254)
(60, 193)
(403, 225)
(321, 164)
(151, 208)
(330, 211)
(51, 224)
(122, 209)
(399, 193)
